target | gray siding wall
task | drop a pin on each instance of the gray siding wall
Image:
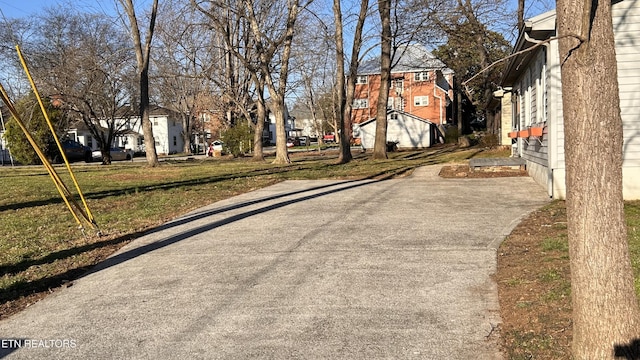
(626, 24)
(534, 149)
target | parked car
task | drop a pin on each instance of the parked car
(216, 148)
(218, 145)
(329, 138)
(116, 154)
(73, 151)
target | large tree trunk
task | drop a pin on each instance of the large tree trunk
(147, 127)
(282, 153)
(142, 58)
(380, 144)
(266, 55)
(605, 308)
(185, 134)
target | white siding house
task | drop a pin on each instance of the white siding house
(166, 127)
(269, 135)
(406, 130)
(534, 86)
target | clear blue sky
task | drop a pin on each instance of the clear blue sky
(21, 8)
(25, 8)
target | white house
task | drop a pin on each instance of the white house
(306, 124)
(269, 134)
(406, 130)
(166, 127)
(532, 99)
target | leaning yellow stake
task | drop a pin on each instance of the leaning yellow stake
(87, 214)
(62, 189)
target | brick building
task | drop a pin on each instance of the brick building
(421, 85)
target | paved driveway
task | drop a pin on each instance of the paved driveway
(302, 269)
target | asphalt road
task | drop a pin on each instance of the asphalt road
(302, 269)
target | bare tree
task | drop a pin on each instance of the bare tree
(77, 61)
(605, 308)
(345, 86)
(467, 22)
(354, 65)
(12, 33)
(239, 65)
(183, 64)
(314, 70)
(269, 48)
(142, 51)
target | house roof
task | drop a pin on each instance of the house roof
(541, 27)
(404, 114)
(538, 28)
(407, 58)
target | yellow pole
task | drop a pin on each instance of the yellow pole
(90, 218)
(56, 179)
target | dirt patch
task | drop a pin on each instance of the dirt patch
(463, 171)
(534, 287)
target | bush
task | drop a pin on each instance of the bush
(238, 139)
(35, 123)
(488, 140)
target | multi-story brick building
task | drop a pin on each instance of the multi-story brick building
(421, 85)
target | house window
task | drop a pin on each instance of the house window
(393, 116)
(361, 103)
(140, 141)
(90, 141)
(175, 141)
(421, 76)
(204, 117)
(155, 122)
(421, 101)
(362, 79)
(395, 103)
(398, 86)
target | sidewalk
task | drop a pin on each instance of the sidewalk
(302, 269)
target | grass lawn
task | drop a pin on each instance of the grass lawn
(534, 283)
(41, 247)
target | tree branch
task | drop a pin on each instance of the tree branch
(537, 44)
